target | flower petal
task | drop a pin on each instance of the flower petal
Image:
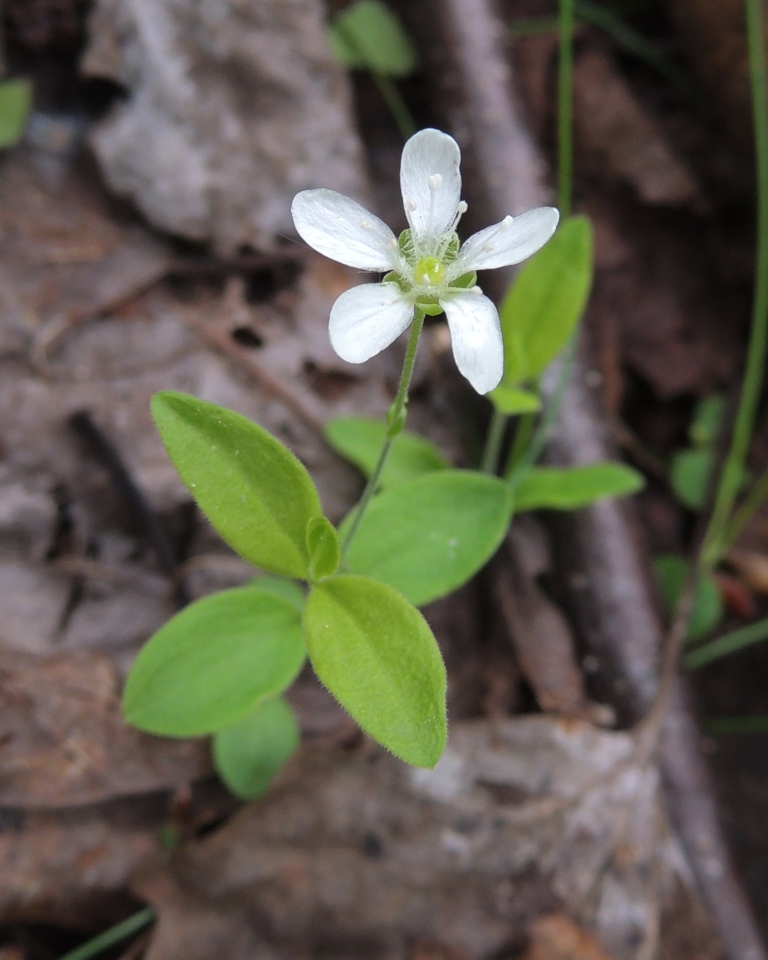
(431, 183)
(344, 230)
(475, 338)
(508, 242)
(366, 319)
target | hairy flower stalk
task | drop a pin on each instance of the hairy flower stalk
(427, 268)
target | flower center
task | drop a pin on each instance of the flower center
(429, 272)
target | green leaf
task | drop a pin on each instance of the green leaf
(368, 35)
(15, 104)
(324, 548)
(360, 439)
(707, 420)
(707, 611)
(428, 537)
(249, 755)
(211, 664)
(377, 656)
(253, 490)
(513, 400)
(568, 488)
(689, 476)
(546, 301)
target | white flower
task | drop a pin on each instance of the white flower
(427, 267)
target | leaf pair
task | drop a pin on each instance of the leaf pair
(215, 664)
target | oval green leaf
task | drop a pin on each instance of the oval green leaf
(249, 755)
(377, 656)
(671, 572)
(428, 537)
(360, 439)
(569, 488)
(689, 475)
(211, 664)
(368, 35)
(513, 400)
(546, 301)
(15, 104)
(253, 490)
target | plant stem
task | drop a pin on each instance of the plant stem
(565, 110)
(397, 105)
(727, 644)
(395, 422)
(519, 444)
(112, 936)
(490, 461)
(738, 522)
(730, 478)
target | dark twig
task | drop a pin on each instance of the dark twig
(601, 554)
(132, 496)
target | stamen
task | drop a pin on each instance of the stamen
(435, 182)
(410, 205)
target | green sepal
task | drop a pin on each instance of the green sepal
(324, 548)
(248, 755)
(466, 281)
(430, 307)
(376, 654)
(254, 491)
(209, 666)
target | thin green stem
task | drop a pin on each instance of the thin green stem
(490, 461)
(539, 440)
(635, 42)
(738, 522)
(395, 423)
(397, 105)
(733, 469)
(727, 644)
(109, 938)
(565, 110)
(520, 442)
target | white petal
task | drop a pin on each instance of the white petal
(475, 338)
(344, 230)
(508, 242)
(430, 157)
(366, 319)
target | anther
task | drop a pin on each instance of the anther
(366, 224)
(487, 247)
(506, 223)
(435, 182)
(462, 207)
(410, 205)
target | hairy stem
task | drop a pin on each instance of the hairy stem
(395, 424)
